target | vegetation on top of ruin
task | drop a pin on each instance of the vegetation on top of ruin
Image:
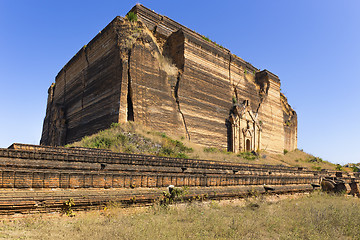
(131, 16)
(135, 138)
(209, 40)
(314, 216)
(354, 166)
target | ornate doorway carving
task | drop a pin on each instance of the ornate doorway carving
(245, 128)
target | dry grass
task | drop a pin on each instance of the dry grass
(298, 158)
(166, 64)
(135, 138)
(316, 216)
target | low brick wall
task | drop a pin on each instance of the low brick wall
(30, 175)
(50, 200)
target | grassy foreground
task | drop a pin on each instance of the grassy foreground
(315, 216)
(136, 138)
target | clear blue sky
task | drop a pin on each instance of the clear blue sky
(312, 45)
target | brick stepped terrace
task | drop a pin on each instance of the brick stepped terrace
(40, 179)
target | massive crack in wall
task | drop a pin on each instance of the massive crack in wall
(166, 76)
(153, 83)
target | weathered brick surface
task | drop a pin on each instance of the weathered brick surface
(23, 179)
(47, 200)
(162, 74)
(8, 179)
(66, 173)
(52, 180)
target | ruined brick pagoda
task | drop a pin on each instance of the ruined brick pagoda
(158, 72)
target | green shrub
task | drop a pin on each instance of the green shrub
(317, 168)
(114, 125)
(182, 155)
(247, 155)
(122, 138)
(338, 167)
(206, 38)
(67, 208)
(181, 146)
(224, 151)
(175, 195)
(101, 142)
(355, 169)
(315, 160)
(166, 152)
(285, 151)
(163, 135)
(220, 46)
(234, 100)
(132, 17)
(210, 150)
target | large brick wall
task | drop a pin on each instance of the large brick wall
(168, 77)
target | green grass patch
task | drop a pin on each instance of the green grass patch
(338, 167)
(317, 168)
(126, 138)
(247, 155)
(206, 39)
(210, 150)
(132, 17)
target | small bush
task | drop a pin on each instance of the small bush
(114, 125)
(285, 151)
(234, 100)
(181, 146)
(101, 142)
(132, 17)
(355, 169)
(247, 155)
(339, 167)
(122, 138)
(317, 168)
(67, 208)
(206, 38)
(182, 155)
(224, 151)
(210, 150)
(174, 195)
(219, 45)
(166, 152)
(163, 135)
(315, 160)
